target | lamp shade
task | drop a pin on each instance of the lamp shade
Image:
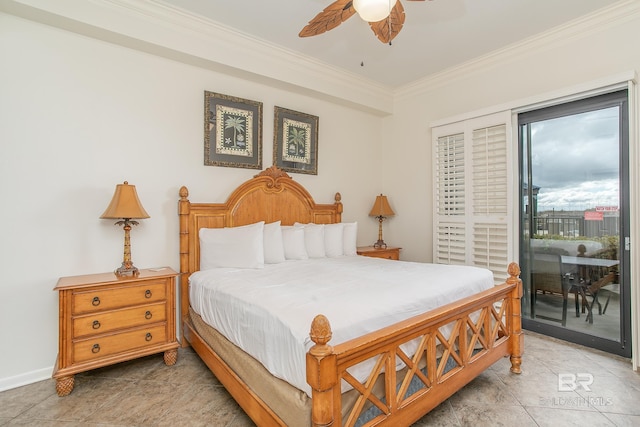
(125, 204)
(381, 207)
(373, 10)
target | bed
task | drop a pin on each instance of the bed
(392, 374)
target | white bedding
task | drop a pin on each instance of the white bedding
(268, 312)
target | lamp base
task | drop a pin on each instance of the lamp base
(127, 270)
(380, 244)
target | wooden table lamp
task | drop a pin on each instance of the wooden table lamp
(125, 206)
(381, 210)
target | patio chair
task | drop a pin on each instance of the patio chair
(548, 278)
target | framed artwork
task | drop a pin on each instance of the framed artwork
(295, 141)
(232, 131)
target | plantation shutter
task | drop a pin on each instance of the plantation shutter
(472, 198)
(450, 200)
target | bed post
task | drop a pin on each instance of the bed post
(322, 373)
(516, 339)
(184, 207)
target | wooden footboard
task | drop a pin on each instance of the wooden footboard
(479, 331)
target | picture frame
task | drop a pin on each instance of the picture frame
(295, 141)
(232, 131)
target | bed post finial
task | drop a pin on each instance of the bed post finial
(514, 272)
(184, 193)
(320, 334)
(322, 373)
(338, 202)
(516, 340)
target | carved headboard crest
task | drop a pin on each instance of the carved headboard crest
(276, 176)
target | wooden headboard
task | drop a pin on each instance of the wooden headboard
(270, 196)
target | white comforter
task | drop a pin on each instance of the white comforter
(268, 312)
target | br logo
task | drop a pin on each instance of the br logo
(571, 382)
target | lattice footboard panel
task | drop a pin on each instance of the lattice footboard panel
(415, 365)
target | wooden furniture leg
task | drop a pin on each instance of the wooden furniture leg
(64, 385)
(170, 357)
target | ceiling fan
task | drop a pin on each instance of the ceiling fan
(384, 16)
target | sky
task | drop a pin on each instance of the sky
(575, 161)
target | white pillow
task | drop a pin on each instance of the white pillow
(241, 247)
(273, 246)
(334, 240)
(313, 239)
(350, 236)
(293, 242)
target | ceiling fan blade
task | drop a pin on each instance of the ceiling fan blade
(387, 29)
(332, 16)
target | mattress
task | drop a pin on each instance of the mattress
(267, 312)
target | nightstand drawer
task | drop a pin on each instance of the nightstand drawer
(100, 323)
(384, 254)
(92, 300)
(100, 347)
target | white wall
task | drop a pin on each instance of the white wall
(77, 117)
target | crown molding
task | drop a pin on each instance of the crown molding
(587, 25)
(163, 30)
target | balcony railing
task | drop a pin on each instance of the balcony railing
(575, 226)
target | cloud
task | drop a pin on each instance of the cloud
(575, 160)
(584, 196)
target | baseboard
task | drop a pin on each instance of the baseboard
(25, 379)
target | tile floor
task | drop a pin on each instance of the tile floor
(145, 392)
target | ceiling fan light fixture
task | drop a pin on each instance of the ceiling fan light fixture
(374, 10)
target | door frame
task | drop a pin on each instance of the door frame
(628, 321)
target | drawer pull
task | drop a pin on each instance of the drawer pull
(148, 315)
(148, 337)
(96, 324)
(95, 349)
(147, 293)
(96, 301)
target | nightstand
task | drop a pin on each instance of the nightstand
(390, 252)
(106, 319)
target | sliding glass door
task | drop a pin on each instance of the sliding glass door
(574, 221)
